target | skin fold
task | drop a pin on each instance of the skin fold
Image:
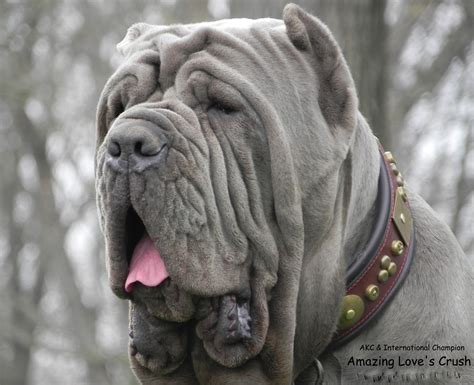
(237, 146)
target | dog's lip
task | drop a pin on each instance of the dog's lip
(204, 305)
(164, 359)
(150, 345)
(124, 229)
(230, 336)
(124, 232)
(154, 364)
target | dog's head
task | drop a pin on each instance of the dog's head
(210, 138)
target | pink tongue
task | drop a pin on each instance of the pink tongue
(146, 265)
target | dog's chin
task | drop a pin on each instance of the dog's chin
(232, 328)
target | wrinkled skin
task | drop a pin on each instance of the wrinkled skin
(224, 204)
(240, 152)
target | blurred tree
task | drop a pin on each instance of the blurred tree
(40, 52)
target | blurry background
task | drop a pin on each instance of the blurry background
(412, 60)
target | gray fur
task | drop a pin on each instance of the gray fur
(272, 199)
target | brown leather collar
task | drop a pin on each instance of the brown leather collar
(378, 272)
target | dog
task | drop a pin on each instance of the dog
(255, 225)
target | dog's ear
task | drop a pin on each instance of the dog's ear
(337, 95)
(133, 33)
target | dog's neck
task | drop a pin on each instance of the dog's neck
(361, 170)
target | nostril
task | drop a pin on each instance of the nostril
(113, 148)
(149, 148)
(138, 148)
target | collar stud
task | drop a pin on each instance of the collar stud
(389, 157)
(352, 310)
(394, 168)
(397, 248)
(400, 180)
(385, 262)
(402, 193)
(372, 292)
(382, 276)
(392, 268)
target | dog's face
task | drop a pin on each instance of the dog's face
(200, 176)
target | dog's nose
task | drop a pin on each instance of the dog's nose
(135, 145)
(138, 142)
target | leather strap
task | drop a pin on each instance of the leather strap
(373, 279)
(375, 275)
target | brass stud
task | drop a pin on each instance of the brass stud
(392, 268)
(394, 168)
(383, 275)
(352, 310)
(400, 180)
(401, 191)
(402, 218)
(397, 248)
(385, 262)
(350, 314)
(372, 292)
(389, 157)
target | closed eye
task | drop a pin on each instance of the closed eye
(223, 108)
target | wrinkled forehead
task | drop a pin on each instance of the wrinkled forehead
(143, 36)
(244, 45)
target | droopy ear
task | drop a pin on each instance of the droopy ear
(133, 33)
(337, 95)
